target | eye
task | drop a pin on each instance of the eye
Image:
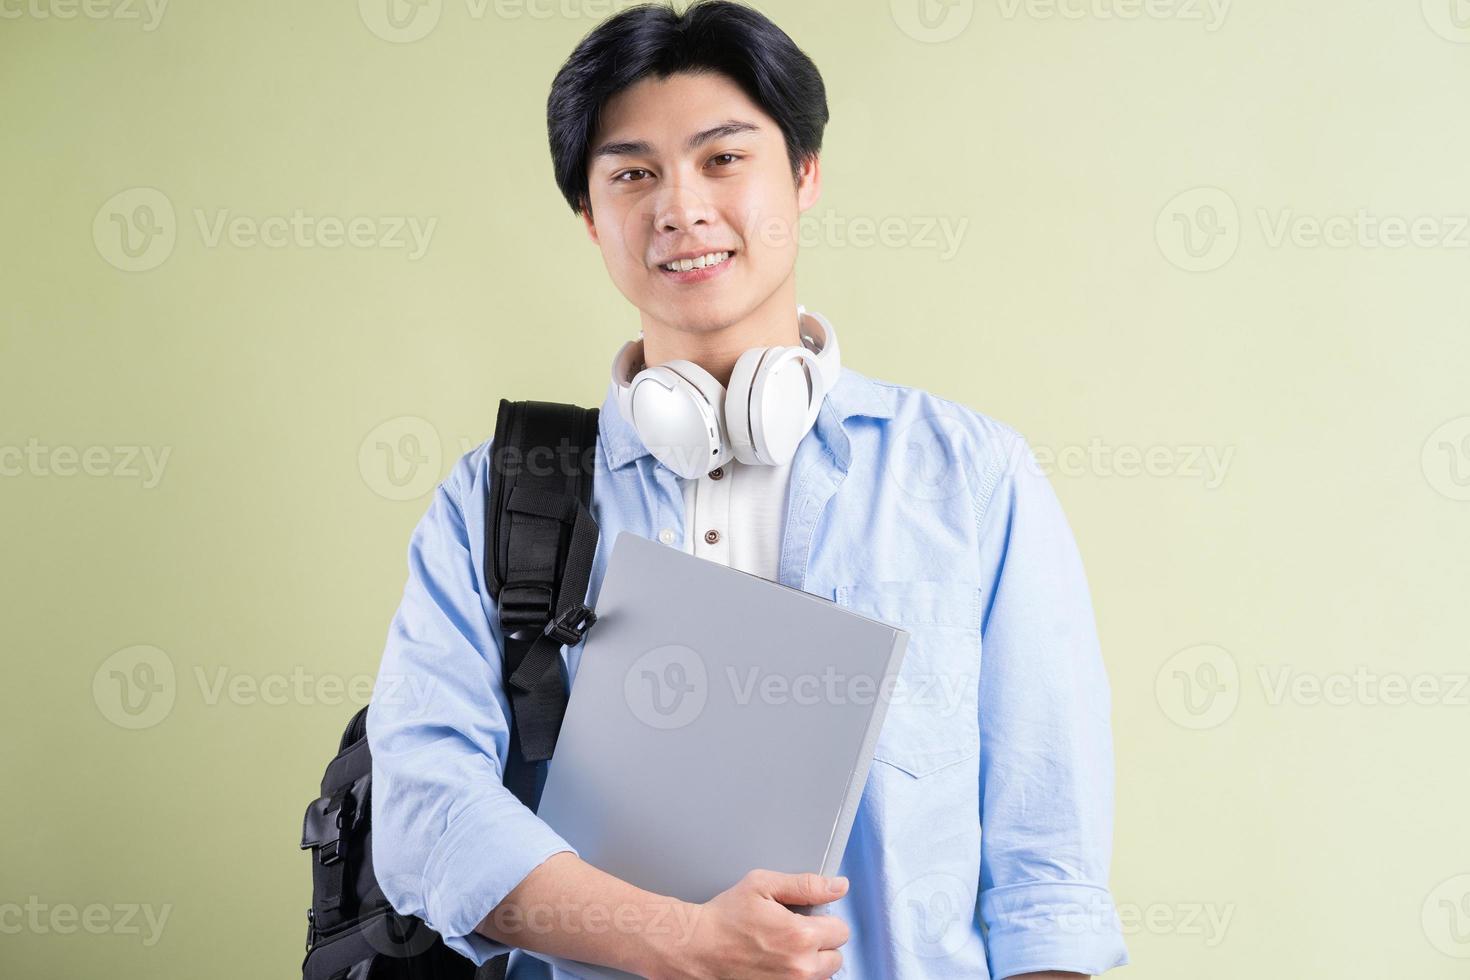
(721, 156)
(620, 177)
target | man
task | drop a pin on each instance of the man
(982, 842)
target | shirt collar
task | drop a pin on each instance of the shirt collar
(854, 395)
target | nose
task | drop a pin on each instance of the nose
(680, 209)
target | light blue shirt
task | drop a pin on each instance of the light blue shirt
(982, 843)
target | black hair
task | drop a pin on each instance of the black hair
(652, 39)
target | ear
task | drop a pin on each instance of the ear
(809, 183)
(586, 214)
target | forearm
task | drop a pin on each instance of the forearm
(566, 907)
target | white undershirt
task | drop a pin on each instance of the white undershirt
(745, 508)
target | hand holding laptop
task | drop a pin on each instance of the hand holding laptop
(747, 930)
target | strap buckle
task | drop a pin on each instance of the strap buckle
(568, 627)
(524, 604)
(329, 820)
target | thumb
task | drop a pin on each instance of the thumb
(806, 888)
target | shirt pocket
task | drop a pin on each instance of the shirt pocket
(932, 720)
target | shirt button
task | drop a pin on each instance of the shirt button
(717, 472)
(711, 536)
(666, 536)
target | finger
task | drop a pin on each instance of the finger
(830, 931)
(829, 961)
(803, 889)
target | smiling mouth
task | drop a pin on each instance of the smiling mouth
(711, 260)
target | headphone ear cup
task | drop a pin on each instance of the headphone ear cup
(784, 399)
(739, 426)
(677, 409)
(772, 402)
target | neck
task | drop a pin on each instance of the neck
(717, 347)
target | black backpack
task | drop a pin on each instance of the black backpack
(540, 539)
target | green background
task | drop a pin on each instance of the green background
(1322, 835)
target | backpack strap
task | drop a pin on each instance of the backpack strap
(540, 539)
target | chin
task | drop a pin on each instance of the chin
(698, 316)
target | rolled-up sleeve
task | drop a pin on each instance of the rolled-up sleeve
(449, 840)
(1046, 757)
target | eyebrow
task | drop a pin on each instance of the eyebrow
(643, 148)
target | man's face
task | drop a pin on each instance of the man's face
(654, 197)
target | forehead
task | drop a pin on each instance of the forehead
(664, 111)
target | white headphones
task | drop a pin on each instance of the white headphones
(693, 424)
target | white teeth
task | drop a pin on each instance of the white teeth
(684, 265)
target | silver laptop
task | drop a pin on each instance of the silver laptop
(718, 722)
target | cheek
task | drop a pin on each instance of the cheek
(772, 241)
(622, 248)
(766, 229)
